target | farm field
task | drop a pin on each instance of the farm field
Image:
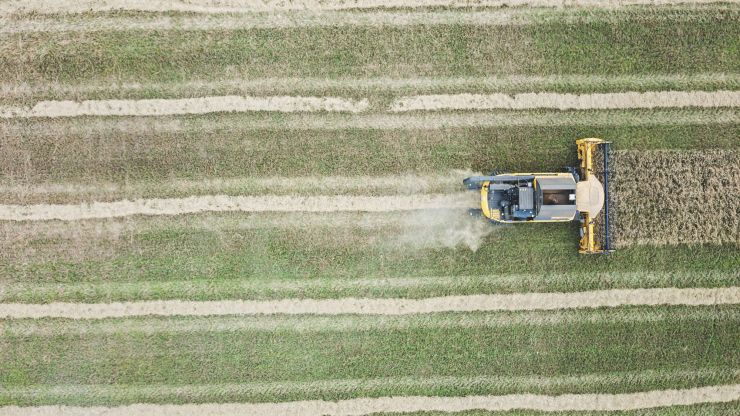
(256, 207)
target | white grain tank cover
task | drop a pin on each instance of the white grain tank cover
(556, 183)
(590, 196)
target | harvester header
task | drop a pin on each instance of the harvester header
(577, 194)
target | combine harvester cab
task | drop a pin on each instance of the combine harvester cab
(576, 194)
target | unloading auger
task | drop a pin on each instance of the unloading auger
(574, 195)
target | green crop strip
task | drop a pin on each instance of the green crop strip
(626, 47)
(230, 151)
(204, 356)
(305, 253)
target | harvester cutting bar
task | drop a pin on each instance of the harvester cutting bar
(590, 244)
(605, 152)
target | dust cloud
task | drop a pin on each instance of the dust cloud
(449, 228)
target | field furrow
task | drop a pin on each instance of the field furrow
(147, 150)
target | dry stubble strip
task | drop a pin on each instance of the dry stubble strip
(469, 303)
(202, 105)
(242, 6)
(225, 203)
(364, 406)
(408, 183)
(600, 101)
(205, 105)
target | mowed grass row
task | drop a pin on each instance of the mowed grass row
(227, 256)
(699, 345)
(100, 150)
(631, 46)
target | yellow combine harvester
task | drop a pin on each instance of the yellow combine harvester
(576, 194)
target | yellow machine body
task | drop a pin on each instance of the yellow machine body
(576, 194)
(495, 215)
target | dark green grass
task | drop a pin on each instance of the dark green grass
(206, 356)
(632, 46)
(226, 149)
